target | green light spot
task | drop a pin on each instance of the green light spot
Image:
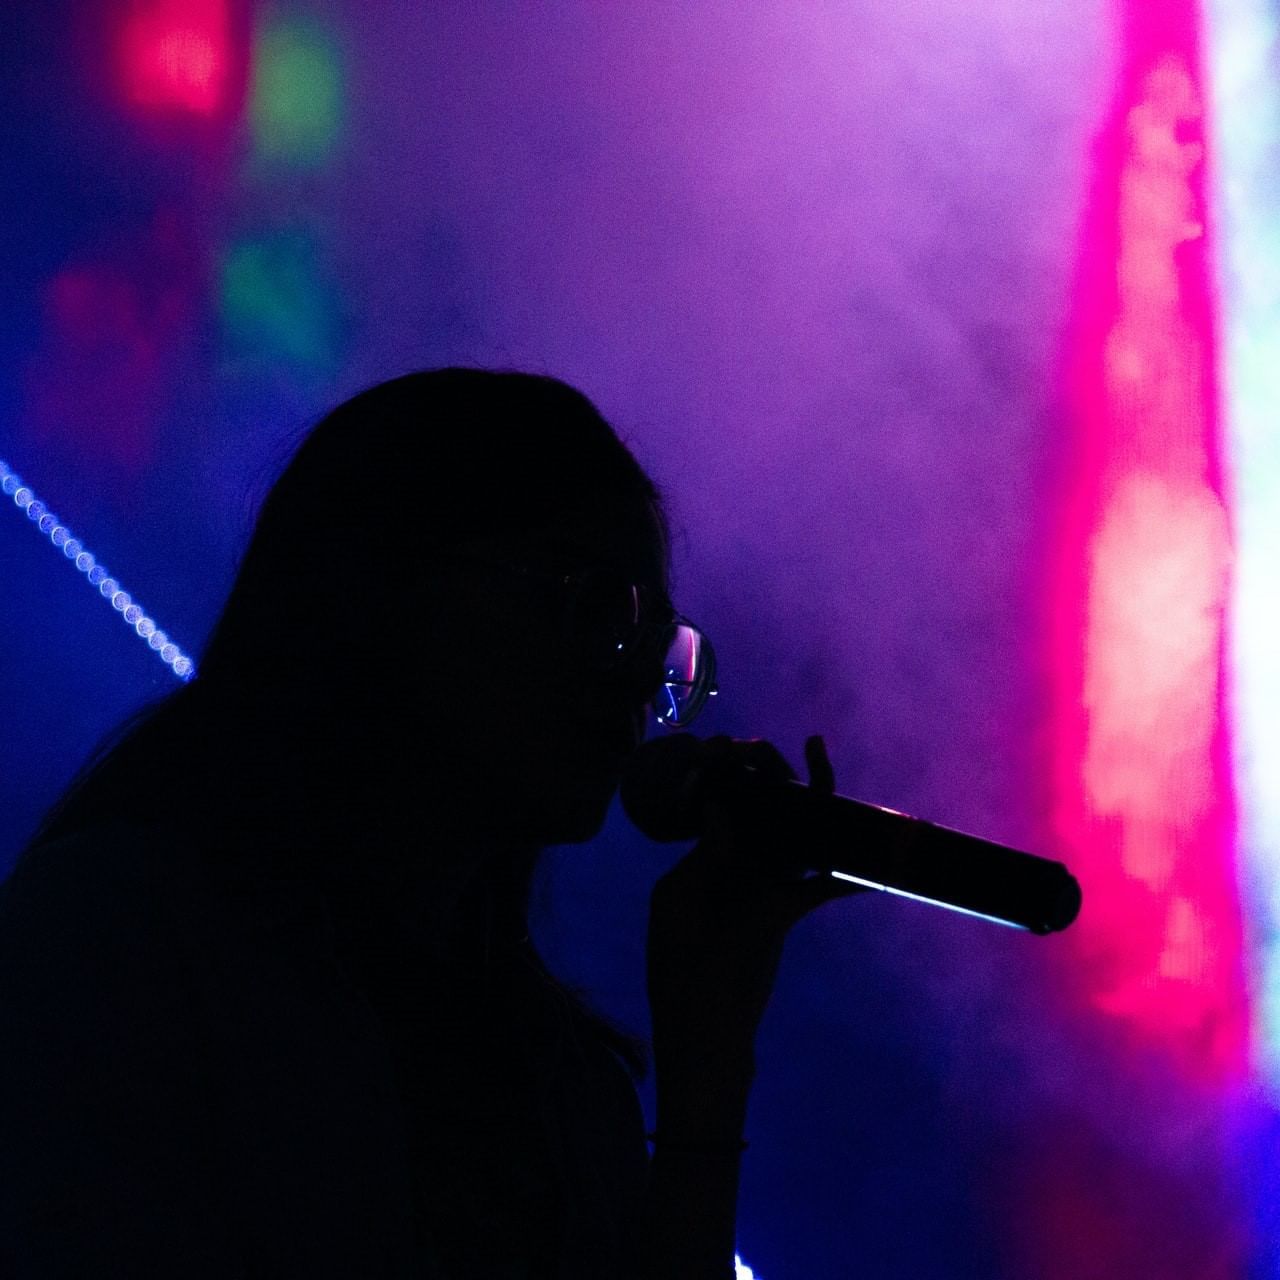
(296, 100)
(274, 302)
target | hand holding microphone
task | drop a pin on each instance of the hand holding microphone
(769, 851)
(670, 781)
(717, 924)
(718, 921)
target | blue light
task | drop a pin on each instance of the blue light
(44, 519)
(918, 897)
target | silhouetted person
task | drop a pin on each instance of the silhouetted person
(268, 1004)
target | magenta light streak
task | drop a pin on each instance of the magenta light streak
(1144, 807)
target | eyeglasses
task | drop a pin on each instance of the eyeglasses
(626, 628)
(688, 675)
(617, 627)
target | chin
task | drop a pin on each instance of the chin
(577, 828)
(580, 819)
(568, 800)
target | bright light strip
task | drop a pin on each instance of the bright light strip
(933, 902)
(742, 1271)
(24, 499)
(1243, 44)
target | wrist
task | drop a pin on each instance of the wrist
(689, 1061)
(711, 1115)
(701, 1146)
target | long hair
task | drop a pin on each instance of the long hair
(389, 480)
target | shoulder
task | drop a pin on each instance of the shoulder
(159, 1084)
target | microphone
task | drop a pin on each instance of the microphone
(668, 781)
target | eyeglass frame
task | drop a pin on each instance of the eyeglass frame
(568, 581)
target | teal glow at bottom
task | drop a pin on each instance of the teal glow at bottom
(275, 302)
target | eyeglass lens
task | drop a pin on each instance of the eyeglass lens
(613, 612)
(688, 676)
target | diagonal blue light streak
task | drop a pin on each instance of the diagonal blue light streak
(25, 499)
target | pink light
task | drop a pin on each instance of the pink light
(1142, 791)
(175, 54)
(114, 332)
(91, 386)
(1098, 1211)
(1144, 810)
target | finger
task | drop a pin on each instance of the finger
(764, 758)
(822, 776)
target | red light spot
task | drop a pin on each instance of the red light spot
(115, 336)
(1088, 1206)
(175, 55)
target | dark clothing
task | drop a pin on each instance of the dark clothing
(195, 1081)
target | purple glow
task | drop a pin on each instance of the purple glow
(816, 263)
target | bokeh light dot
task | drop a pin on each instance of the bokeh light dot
(296, 106)
(97, 573)
(176, 54)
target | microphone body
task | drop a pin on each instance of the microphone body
(668, 782)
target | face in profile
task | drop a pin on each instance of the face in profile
(539, 712)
